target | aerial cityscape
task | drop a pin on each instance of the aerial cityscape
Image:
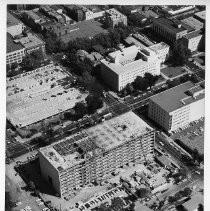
(105, 107)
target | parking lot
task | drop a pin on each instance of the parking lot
(39, 94)
(192, 135)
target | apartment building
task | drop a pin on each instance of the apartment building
(14, 26)
(162, 50)
(175, 10)
(178, 106)
(123, 66)
(90, 155)
(171, 30)
(192, 40)
(15, 52)
(114, 17)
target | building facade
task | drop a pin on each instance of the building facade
(123, 66)
(15, 52)
(178, 106)
(169, 29)
(92, 154)
(192, 40)
(114, 17)
(162, 50)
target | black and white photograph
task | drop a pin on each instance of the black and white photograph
(104, 106)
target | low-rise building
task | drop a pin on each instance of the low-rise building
(130, 40)
(31, 43)
(90, 155)
(14, 26)
(123, 66)
(178, 106)
(162, 50)
(176, 9)
(114, 17)
(201, 16)
(97, 12)
(192, 40)
(143, 39)
(193, 22)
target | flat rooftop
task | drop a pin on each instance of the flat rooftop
(192, 22)
(128, 60)
(171, 25)
(131, 40)
(11, 45)
(148, 14)
(32, 15)
(99, 138)
(170, 100)
(193, 203)
(113, 13)
(143, 38)
(11, 20)
(30, 41)
(39, 94)
(159, 46)
(193, 34)
(201, 15)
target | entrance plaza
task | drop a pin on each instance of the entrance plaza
(39, 94)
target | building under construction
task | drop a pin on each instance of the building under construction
(90, 155)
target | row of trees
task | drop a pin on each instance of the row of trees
(93, 102)
(140, 84)
(183, 193)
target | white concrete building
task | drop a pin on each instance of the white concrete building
(123, 66)
(178, 106)
(162, 50)
(90, 155)
(192, 40)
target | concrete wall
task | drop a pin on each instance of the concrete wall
(47, 169)
(197, 110)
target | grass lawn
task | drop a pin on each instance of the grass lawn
(173, 72)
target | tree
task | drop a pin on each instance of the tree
(129, 88)
(32, 185)
(142, 192)
(172, 83)
(171, 199)
(93, 103)
(180, 53)
(140, 83)
(9, 204)
(14, 66)
(187, 192)
(195, 155)
(87, 79)
(150, 79)
(200, 207)
(80, 109)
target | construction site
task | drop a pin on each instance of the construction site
(87, 157)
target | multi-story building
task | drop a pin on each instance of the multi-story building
(15, 52)
(123, 66)
(178, 106)
(143, 39)
(193, 22)
(14, 26)
(114, 17)
(171, 30)
(162, 50)
(17, 48)
(97, 151)
(192, 40)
